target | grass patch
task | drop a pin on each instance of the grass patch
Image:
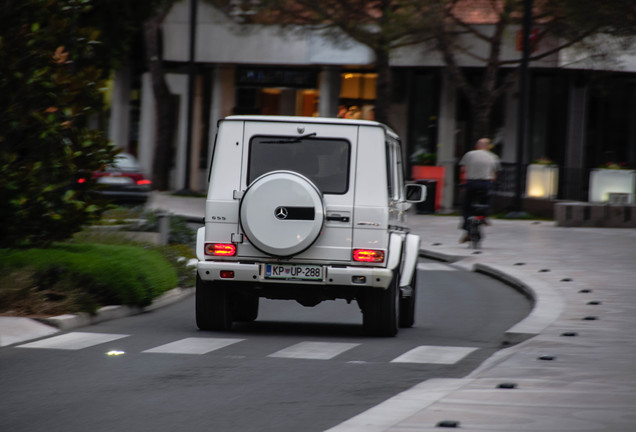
(519, 216)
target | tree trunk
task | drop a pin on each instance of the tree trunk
(165, 109)
(383, 97)
(481, 120)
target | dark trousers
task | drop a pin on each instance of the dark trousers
(475, 190)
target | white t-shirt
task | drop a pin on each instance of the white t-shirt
(480, 165)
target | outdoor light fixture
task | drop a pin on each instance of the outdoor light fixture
(606, 181)
(542, 181)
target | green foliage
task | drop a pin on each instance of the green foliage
(49, 88)
(103, 274)
(176, 254)
(426, 159)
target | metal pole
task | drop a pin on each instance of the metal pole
(192, 72)
(524, 92)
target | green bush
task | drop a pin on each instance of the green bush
(176, 254)
(102, 274)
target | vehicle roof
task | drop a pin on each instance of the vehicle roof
(319, 120)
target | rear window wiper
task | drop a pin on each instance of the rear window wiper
(291, 140)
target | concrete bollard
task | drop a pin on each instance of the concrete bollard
(164, 228)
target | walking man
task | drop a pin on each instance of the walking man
(479, 167)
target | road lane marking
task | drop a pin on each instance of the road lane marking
(73, 341)
(434, 355)
(314, 350)
(435, 267)
(193, 345)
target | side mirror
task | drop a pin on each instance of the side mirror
(415, 193)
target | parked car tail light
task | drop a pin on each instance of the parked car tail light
(368, 255)
(81, 180)
(220, 249)
(143, 182)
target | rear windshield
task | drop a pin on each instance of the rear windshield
(325, 161)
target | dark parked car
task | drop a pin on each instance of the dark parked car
(123, 181)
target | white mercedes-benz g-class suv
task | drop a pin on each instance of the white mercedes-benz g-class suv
(308, 209)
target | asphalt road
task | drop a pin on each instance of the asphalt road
(294, 369)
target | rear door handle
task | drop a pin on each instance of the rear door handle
(338, 218)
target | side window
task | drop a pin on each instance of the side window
(394, 171)
(389, 171)
(399, 172)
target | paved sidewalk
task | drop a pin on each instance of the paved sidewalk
(576, 369)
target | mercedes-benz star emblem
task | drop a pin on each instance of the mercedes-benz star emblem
(281, 213)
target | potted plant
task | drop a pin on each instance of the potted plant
(612, 178)
(542, 178)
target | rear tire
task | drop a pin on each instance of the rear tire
(380, 312)
(475, 233)
(212, 304)
(407, 305)
(244, 308)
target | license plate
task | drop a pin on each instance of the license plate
(112, 180)
(291, 271)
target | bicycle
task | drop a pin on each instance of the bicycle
(479, 210)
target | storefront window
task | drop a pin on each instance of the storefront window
(611, 126)
(357, 95)
(548, 114)
(424, 116)
(272, 91)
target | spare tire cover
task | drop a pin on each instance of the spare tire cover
(281, 213)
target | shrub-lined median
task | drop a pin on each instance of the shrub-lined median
(67, 278)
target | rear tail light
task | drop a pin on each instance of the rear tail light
(368, 255)
(144, 182)
(220, 249)
(227, 274)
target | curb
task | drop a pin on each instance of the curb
(548, 303)
(107, 313)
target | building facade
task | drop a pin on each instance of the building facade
(581, 115)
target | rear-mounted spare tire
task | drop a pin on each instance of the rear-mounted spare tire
(282, 213)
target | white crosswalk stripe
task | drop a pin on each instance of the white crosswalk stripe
(425, 354)
(314, 350)
(193, 346)
(73, 341)
(435, 267)
(434, 355)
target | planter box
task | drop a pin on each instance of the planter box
(542, 181)
(603, 182)
(426, 172)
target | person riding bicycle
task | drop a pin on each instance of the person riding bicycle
(479, 167)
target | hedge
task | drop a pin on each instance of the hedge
(109, 274)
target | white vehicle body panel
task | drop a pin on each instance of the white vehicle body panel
(302, 194)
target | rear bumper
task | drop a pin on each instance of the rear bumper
(127, 195)
(373, 277)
